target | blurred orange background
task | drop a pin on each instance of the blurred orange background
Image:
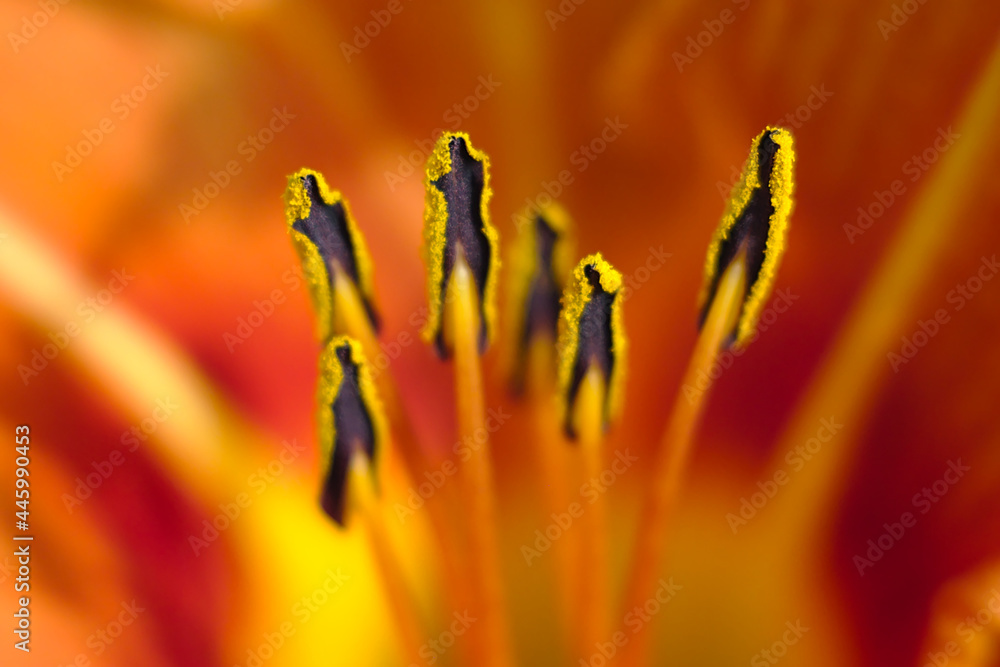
(153, 138)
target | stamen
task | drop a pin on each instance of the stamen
(756, 218)
(460, 249)
(592, 348)
(339, 271)
(457, 214)
(540, 266)
(591, 331)
(352, 432)
(740, 272)
(329, 245)
(541, 263)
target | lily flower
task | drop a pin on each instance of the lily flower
(535, 363)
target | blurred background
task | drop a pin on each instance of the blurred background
(153, 319)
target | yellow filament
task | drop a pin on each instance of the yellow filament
(397, 594)
(588, 420)
(555, 472)
(675, 449)
(461, 323)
